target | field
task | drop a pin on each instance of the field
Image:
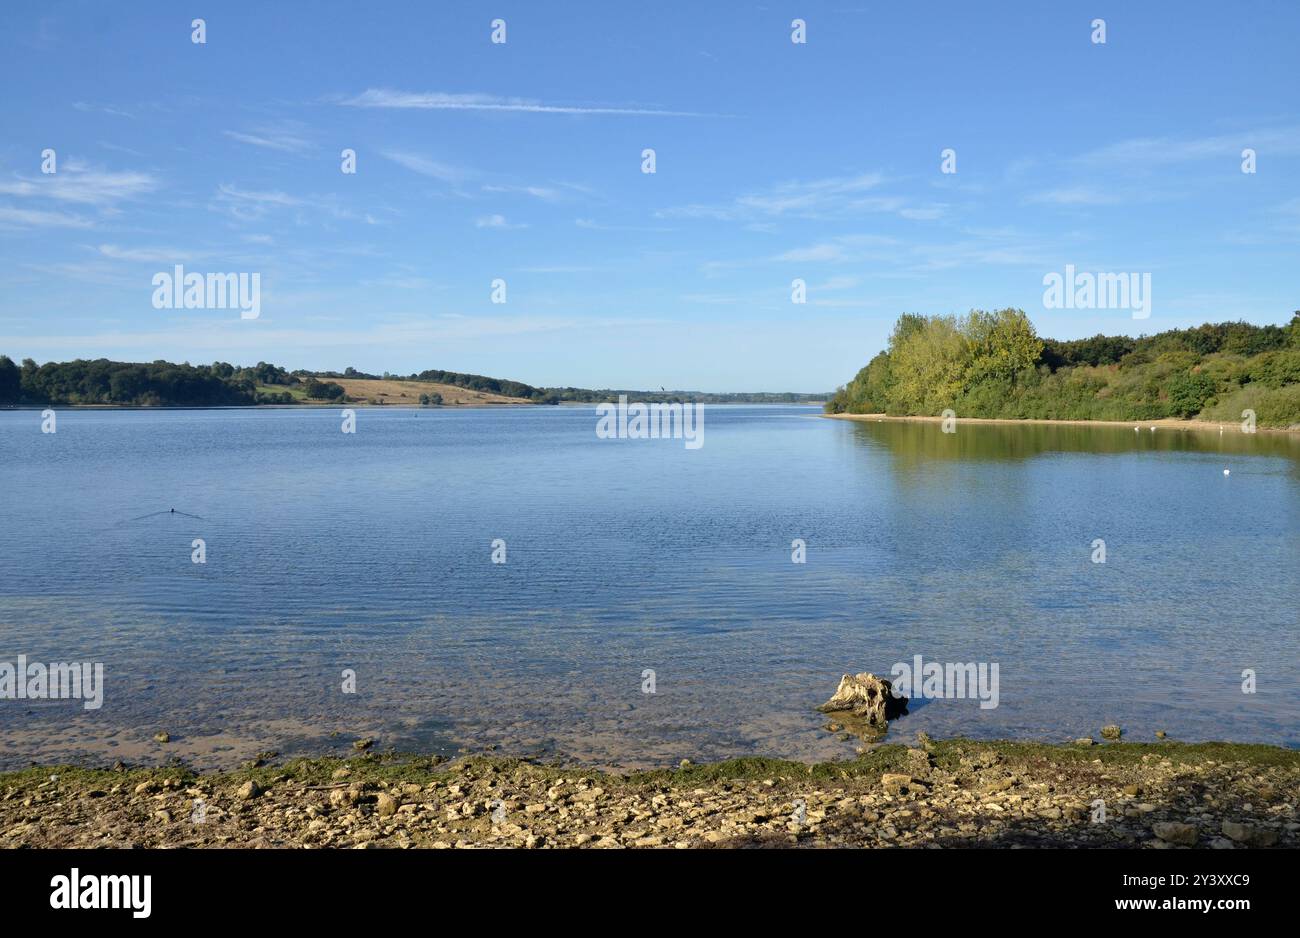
(380, 391)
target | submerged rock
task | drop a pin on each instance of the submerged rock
(868, 697)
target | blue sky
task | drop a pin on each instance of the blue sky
(522, 161)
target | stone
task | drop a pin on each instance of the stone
(361, 745)
(1176, 832)
(249, 790)
(918, 757)
(1111, 731)
(341, 797)
(385, 805)
(1249, 834)
(161, 737)
(1085, 741)
(866, 696)
(895, 783)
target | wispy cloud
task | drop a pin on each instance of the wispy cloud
(1074, 195)
(30, 218)
(77, 182)
(1146, 152)
(427, 167)
(444, 101)
(826, 251)
(147, 255)
(219, 336)
(593, 225)
(283, 139)
(102, 109)
(495, 221)
(819, 198)
(252, 195)
(254, 204)
(546, 193)
(250, 204)
(924, 213)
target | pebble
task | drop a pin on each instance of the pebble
(1176, 832)
(973, 795)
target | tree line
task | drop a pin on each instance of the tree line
(165, 384)
(995, 365)
(155, 384)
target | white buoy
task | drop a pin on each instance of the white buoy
(1136, 429)
(1225, 472)
(1153, 429)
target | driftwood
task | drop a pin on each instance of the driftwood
(868, 697)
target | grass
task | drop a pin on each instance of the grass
(399, 768)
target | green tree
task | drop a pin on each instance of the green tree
(11, 384)
(1002, 345)
(928, 361)
(1189, 392)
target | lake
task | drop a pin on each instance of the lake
(372, 553)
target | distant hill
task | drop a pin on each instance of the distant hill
(165, 384)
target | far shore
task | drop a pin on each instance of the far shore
(391, 405)
(1170, 423)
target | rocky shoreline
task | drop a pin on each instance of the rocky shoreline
(952, 793)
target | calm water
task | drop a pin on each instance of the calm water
(372, 552)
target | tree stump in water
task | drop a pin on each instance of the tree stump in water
(868, 697)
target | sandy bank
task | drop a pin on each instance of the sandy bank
(1164, 423)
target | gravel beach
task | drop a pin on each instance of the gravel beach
(934, 794)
